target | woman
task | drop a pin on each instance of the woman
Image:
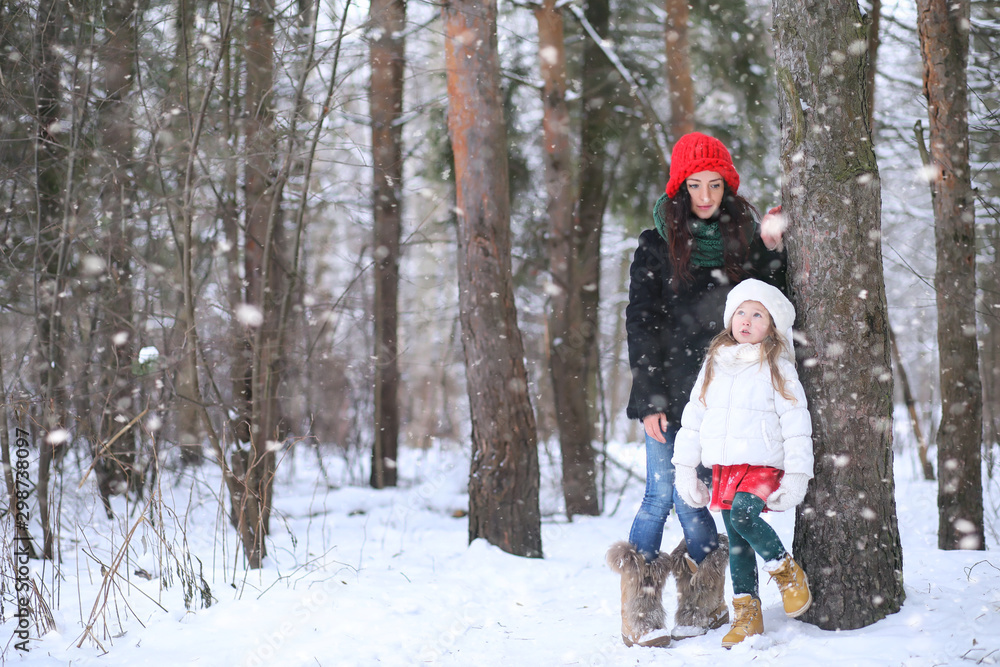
(705, 242)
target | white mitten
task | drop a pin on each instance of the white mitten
(789, 493)
(691, 489)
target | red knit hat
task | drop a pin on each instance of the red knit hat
(696, 152)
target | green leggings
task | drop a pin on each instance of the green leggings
(749, 533)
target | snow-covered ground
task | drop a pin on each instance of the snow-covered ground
(363, 577)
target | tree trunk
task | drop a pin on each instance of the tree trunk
(15, 475)
(262, 273)
(229, 217)
(115, 447)
(983, 79)
(598, 88)
(846, 534)
(618, 387)
(678, 69)
(248, 531)
(388, 19)
(944, 42)
(190, 430)
(989, 363)
(567, 356)
(874, 40)
(50, 157)
(503, 480)
(911, 408)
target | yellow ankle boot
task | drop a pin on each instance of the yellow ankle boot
(747, 620)
(793, 583)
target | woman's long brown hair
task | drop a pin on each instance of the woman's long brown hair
(770, 351)
(737, 216)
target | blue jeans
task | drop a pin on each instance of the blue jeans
(697, 523)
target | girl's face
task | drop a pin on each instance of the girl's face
(705, 188)
(751, 322)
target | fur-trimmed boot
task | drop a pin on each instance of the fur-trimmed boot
(643, 618)
(701, 605)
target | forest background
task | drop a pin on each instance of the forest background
(196, 266)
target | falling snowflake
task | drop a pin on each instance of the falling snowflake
(249, 315)
(57, 437)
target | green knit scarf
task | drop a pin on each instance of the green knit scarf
(707, 249)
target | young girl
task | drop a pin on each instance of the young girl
(748, 420)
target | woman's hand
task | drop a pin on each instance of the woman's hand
(655, 425)
(772, 228)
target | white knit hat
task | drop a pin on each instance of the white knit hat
(781, 309)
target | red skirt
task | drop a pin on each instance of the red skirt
(761, 481)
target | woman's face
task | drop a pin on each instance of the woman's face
(705, 188)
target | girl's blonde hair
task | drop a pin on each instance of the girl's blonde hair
(771, 349)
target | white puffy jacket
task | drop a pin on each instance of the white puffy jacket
(746, 420)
